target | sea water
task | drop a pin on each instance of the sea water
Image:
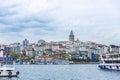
(64, 72)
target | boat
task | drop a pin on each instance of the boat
(7, 66)
(110, 61)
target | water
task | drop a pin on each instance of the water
(64, 72)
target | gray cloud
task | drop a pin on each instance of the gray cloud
(93, 20)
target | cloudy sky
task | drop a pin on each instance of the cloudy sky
(52, 20)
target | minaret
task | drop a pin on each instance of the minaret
(71, 36)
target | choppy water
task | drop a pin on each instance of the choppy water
(64, 72)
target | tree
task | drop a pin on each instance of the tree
(24, 52)
(14, 55)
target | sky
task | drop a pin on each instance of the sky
(52, 20)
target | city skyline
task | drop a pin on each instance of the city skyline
(96, 21)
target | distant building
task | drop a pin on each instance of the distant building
(2, 51)
(41, 43)
(114, 48)
(71, 36)
(25, 43)
(30, 52)
(15, 47)
(48, 46)
(58, 48)
(8, 50)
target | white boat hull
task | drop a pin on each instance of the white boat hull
(9, 73)
(109, 66)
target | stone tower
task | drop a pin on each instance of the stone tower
(71, 36)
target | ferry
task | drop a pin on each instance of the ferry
(110, 61)
(7, 66)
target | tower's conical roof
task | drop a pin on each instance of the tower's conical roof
(71, 33)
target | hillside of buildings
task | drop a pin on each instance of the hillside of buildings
(44, 52)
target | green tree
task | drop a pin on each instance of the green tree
(14, 55)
